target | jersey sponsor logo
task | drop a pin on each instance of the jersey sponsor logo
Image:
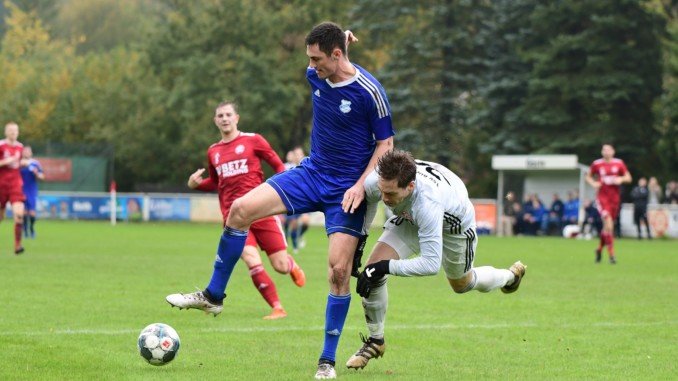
(609, 180)
(334, 332)
(232, 168)
(317, 93)
(239, 149)
(345, 106)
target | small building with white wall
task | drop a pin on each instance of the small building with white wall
(542, 175)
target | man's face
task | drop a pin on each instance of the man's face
(323, 64)
(607, 151)
(298, 154)
(226, 119)
(27, 153)
(12, 131)
(391, 194)
(642, 182)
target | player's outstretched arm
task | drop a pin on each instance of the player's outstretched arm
(196, 178)
(350, 37)
(196, 181)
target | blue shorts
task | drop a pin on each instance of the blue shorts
(30, 203)
(304, 190)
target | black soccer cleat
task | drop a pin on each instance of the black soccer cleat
(19, 250)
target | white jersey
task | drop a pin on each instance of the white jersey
(439, 205)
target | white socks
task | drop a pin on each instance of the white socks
(375, 310)
(488, 278)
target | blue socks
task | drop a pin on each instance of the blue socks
(230, 248)
(335, 316)
(294, 234)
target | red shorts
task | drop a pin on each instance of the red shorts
(268, 234)
(12, 194)
(608, 207)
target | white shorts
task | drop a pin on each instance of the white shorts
(458, 249)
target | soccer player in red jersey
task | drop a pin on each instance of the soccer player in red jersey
(235, 168)
(606, 175)
(10, 180)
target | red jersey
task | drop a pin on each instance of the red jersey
(607, 173)
(235, 167)
(10, 175)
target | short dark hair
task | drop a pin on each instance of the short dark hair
(397, 164)
(226, 103)
(328, 36)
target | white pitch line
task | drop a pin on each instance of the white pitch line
(393, 327)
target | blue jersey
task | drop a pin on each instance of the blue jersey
(30, 186)
(348, 118)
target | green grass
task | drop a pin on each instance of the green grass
(72, 306)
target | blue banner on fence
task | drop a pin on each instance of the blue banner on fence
(94, 207)
(170, 208)
(88, 207)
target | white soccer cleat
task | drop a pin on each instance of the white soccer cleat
(195, 300)
(325, 372)
(368, 351)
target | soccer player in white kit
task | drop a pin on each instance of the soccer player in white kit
(432, 216)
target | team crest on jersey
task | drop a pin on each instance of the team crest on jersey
(345, 106)
(239, 149)
(615, 169)
(317, 93)
(216, 159)
(404, 214)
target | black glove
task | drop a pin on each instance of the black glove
(370, 276)
(358, 255)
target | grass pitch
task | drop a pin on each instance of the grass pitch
(72, 306)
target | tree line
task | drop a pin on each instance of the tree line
(466, 79)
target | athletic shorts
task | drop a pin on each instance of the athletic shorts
(607, 208)
(268, 234)
(458, 249)
(12, 195)
(303, 190)
(30, 203)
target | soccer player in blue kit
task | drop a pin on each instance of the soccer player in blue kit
(31, 172)
(351, 130)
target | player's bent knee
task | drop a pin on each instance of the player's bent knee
(280, 262)
(238, 216)
(462, 290)
(462, 285)
(339, 275)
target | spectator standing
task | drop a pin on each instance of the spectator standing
(655, 191)
(641, 195)
(671, 195)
